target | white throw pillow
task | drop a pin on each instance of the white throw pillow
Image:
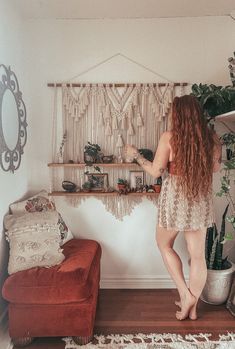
(34, 240)
(42, 202)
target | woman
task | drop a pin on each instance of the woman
(191, 152)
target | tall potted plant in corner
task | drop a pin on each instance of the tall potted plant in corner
(220, 270)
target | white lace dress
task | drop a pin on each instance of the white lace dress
(175, 212)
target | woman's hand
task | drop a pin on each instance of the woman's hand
(130, 151)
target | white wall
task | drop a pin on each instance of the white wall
(183, 49)
(12, 186)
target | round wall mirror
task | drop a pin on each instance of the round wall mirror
(10, 122)
(13, 134)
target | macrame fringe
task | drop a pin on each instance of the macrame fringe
(156, 341)
(123, 123)
(108, 130)
(119, 206)
(114, 123)
(95, 111)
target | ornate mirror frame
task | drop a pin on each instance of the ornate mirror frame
(10, 159)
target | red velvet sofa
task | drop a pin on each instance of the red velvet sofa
(57, 301)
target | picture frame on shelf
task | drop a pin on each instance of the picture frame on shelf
(137, 179)
(99, 181)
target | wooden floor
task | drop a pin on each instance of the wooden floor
(148, 311)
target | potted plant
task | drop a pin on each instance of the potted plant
(158, 184)
(87, 186)
(122, 184)
(228, 140)
(92, 153)
(219, 269)
(215, 100)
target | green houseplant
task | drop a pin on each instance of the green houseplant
(92, 153)
(215, 100)
(214, 246)
(86, 186)
(122, 184)
(220, 270)
(225, 188)
(228, 140)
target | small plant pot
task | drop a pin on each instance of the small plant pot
(86, 190)
(229, 154)
(86, 187)
(217, 287)
(88, 159)
(157, 188)
(121, 186)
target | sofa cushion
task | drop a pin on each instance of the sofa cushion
(41, 202)
(34, 240)
(71, 281)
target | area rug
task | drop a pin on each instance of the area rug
(156, 341)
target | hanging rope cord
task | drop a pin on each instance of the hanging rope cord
(127, 58)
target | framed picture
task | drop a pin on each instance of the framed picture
(136, 179)
(99, 181)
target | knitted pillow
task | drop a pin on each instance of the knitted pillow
(41, 202)
(34, 240)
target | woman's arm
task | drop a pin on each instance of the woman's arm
(159, 164)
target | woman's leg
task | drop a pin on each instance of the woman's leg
(198, 269)
(165, 241)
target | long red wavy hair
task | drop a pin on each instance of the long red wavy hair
(192, 144)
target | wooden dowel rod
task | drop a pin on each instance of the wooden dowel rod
(58, 84)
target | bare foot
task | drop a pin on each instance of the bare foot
(193, 310)
(187, 304)
(178, 303)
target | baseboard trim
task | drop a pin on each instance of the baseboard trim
(141, 282)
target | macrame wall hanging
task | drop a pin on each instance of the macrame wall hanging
(110, 115)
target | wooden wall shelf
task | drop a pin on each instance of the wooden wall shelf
(83, 165)
(230, 116)
(64, 193)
